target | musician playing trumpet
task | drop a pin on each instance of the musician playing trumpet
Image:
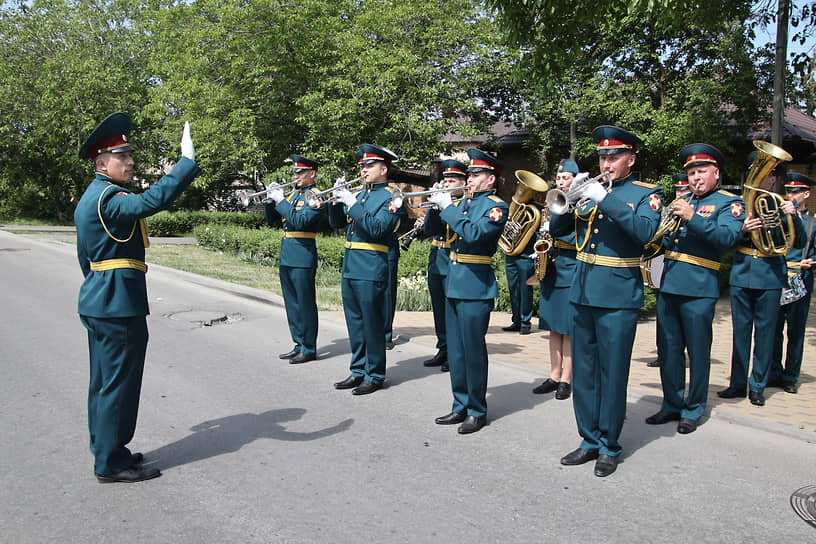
(454, 174)
(554, 309)
(298, 257)
(710, 223)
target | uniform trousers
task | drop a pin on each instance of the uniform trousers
(794, 315)
(686, 323)
(517, 270)
(467, 322)
(364, 308)
(298, 287)
(436, 287)
(601, 343)
(117, 348)
(752, 310)
(391, 293)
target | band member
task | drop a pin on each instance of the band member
(471, 287)
(710, 223)
(681, 188)
(555, 310)
(517, 268)
(391, 287)
(298, 258)
(454, 175)
(606, 291)
(756, 284)
(370, 219)
(794, 314)
(111, 242)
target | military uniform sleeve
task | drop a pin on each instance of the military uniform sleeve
(337, 216)
(433, 223)
(639, 223)
(561, 225)
(299, 219)
(486, 228)
(724, 230)
(377, 225)
(799, 239)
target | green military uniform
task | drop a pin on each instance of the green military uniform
(518, 269)
(111, 241)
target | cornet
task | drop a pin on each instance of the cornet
(246, 197)
(316, 199)
(398, 197)
(560, 202)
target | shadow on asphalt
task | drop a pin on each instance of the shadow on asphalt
(229, 434)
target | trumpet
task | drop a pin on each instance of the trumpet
(398, 197)
(316, 199)
(669, 225)
(246, 197)
(560, 202)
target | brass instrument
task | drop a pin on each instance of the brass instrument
(247, 198)
(398, 197)
(669, 224)
(542, 248)
(560, 202)
(775, 237)
(523, 219)
(315, 199)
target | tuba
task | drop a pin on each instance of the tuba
(775, 237)
(523, 219)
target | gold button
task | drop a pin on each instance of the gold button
(592, 246)
(464, 212)
(600, 216)
(595, 231)
(676, 241)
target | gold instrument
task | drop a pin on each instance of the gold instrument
(775, 237)
(523, 219)
(542, 248)
(669, 224)
(561, 203)
(398, 197)
(315, 199)
(247, 198)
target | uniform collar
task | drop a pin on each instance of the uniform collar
(629, 177)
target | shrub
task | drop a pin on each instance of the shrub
(183, 222)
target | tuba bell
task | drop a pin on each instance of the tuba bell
(775, 237)
(523, 219)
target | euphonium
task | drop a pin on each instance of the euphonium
(523, 219)
(774, 238)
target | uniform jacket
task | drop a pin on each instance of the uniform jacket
(622, 224)
(120, 292)
(752, 272)
(478, 223)
(298, 216)
(796, 254)
(372, 219)
(439, 231)
(714, 228)
(562, 265)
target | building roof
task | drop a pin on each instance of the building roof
(797, 124)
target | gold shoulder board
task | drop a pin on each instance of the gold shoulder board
(726, 193)
(644, 184)
(494, 198)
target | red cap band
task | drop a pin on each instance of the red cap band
(700, 157)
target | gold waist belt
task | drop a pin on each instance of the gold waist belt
(440, 244)
(563, 245)
(692, 259)
(299, 234)
(364, 245)
(111, 264)
(602, 260)
(471, 259)
(794, 264)
(753, 252)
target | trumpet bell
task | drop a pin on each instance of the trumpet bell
(557, 201)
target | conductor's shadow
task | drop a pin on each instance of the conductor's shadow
(229, 434)
(337, 347)
(636, 433)
(503, 400)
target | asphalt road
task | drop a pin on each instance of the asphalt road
(256, 450)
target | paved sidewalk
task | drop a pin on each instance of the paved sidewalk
(797, 411)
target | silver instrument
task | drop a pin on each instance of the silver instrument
(315, 199)
(561, 203)
(398, 197)
(796, 289)
(247, 198)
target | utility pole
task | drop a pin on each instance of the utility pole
(778, 119)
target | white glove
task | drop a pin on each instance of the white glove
(594, 191)
(532, 255)
(544, 228)
(187, 149)
(345, 196)
(441, 200)
(274, 192)
(579, 178)
(340, 181)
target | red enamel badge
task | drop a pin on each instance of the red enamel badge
(495, 214)
(654, 201)
(736, 209)
(392, 208)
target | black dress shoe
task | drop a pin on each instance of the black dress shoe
(662, 417)
(436, 360)
(731, 393)
(138, 458)
(288, 355)
(366, 387)
(129, 475)
(444, 367)
(756, 398)
(653, 364)
(450, 419)
(687, 426)
(790, 388)
(579, 457)
(348, 383)
(472, 424)
(389, 345)
(512, 328)
(524, 330)
(563, 391)
(605, 465)
(302, 358)
(548, 386)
